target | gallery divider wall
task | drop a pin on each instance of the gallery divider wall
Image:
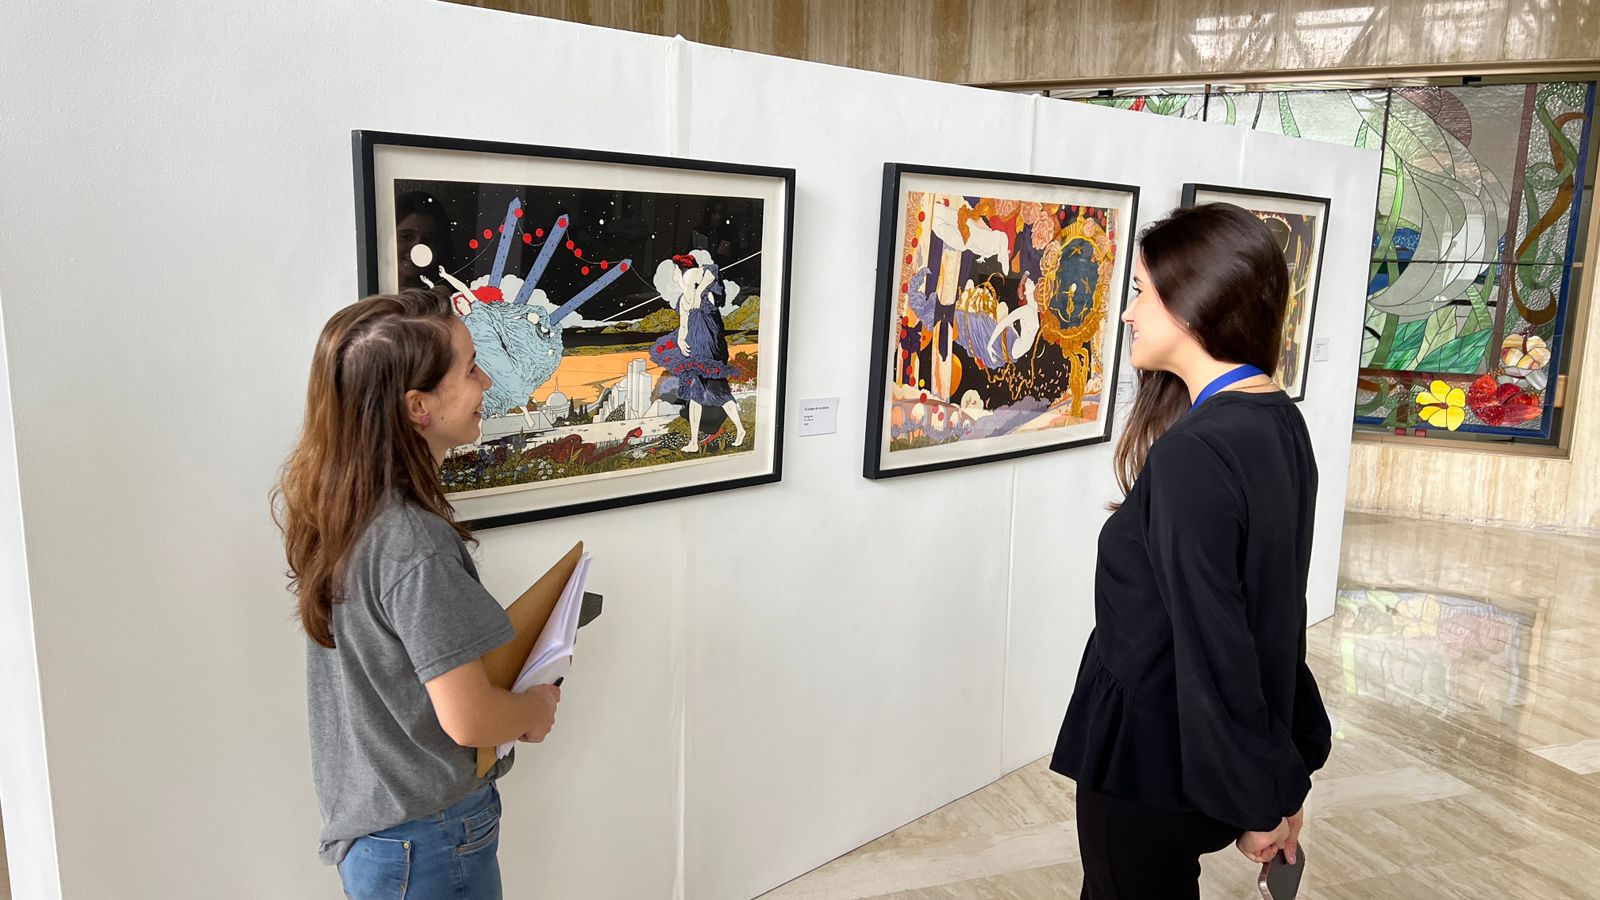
(782, 673)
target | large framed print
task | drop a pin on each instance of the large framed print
(631, 311)
(1299, 226)
(996, 330)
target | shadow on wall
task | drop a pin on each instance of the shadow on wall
(5, 872)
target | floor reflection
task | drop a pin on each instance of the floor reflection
(1430, 650)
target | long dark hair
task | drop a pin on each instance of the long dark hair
(1222, 277)
(357, 445)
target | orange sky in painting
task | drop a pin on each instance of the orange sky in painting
(582, 377)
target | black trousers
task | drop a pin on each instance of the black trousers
(1136, 852)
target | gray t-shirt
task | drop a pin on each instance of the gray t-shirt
(413, 610)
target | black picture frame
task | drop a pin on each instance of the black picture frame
(367, 145)
(875, 466)
(1191, 190)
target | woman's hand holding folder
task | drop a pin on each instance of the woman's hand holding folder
(540, 730)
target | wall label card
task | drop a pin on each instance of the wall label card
(819, 416)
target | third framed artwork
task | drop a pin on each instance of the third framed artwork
(1299, 226)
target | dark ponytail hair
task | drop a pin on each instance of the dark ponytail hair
(1221, 275)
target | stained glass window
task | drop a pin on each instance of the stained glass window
(1183, 104)
(1475, 241)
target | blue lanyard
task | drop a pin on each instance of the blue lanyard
(1223, 381)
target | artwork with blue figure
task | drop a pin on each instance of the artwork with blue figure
(596, 370)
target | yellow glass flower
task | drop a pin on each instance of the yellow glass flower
(1443, 406)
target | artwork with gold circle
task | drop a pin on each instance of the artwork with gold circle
(997, 313)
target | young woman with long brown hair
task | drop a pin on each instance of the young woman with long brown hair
(1195, 722)
(395, 618)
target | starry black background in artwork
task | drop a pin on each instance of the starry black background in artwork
(604, 226)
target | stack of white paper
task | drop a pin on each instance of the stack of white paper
(551, 657)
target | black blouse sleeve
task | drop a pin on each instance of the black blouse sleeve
(1240, 765)
(1313, 733)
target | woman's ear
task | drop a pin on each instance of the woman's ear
(417, 409)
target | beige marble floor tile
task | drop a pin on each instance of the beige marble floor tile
(1401, 886)
(1030, 796)
(1582, 757)
(1378, 790)
(1356, 752)
(1050, 881)
(1453, 830)
(1559, 869)
(936, 864)
(1571, 645)
(1339, 848)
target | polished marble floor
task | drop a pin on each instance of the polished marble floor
(1463, 669)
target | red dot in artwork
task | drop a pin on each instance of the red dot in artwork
(604, 265)
(527, 238)
(908, 259)
(922, 217)
(904, 287)
(924, 396)
(502, 229)
(913, 242)
(519, 212)
(539, 232)
(562, 221)
(473, 243)
(569, 245)
(487, 234)
(941, 417)
(622, 266)
(947, 201)
(578, 253)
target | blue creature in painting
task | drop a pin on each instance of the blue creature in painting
(519, 345)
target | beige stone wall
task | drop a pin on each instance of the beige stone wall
(1035, 41)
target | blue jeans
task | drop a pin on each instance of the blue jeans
(450, 855)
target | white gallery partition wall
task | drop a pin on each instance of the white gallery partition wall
(782, 673)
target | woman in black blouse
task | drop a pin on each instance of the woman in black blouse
(1195, 722)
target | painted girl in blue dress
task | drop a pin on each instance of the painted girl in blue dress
(697, 353)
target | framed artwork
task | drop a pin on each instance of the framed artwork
(631, 311)
(1299, 225)
(996, 332)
